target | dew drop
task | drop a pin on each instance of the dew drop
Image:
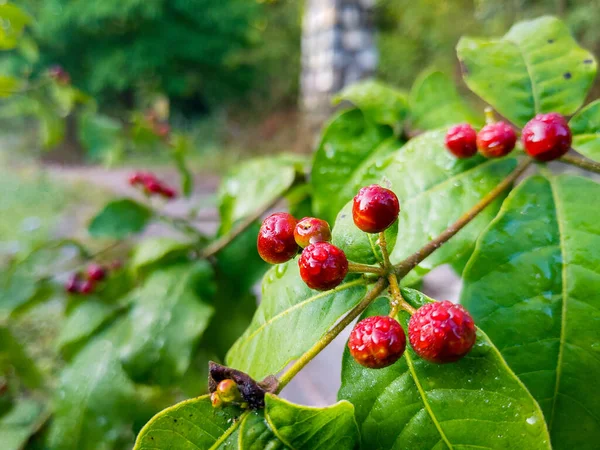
(531, 420)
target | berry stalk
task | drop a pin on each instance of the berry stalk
(384, 251)
(398, 300)
(582, 163)
(328, 337)
(412, 261)
(364, 268)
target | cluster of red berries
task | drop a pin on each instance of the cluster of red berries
(59, 74)
(439, 332)
(86, 283)
(151, 185)
(324, 266)
(545, 137)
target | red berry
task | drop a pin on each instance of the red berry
(276, 242)
(59, 74)
(87, 287)
(375, 208)
(162, 130)
(168, 192)
(96, 272)
(377, 342)
(141, 178)
(323, 266)
(496, 140)
(441, 332)
(547, 137)
(153, 187)
(73, 284)
(310, 230)
(461, 141)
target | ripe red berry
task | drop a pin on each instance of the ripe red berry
(441, 332)
(153, 187)
(73, 284)
(547, 137)
(96, 272)
(377, 342)
(496, 140)
(141, 178)
(461, 141)
(310, 230)
(87, 287)
(375, 208)
(168, 192)
(276, 242)
(323, 266)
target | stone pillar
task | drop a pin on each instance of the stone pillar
(338, 49)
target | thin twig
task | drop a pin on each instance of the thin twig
(222, 242)
(180, 224)
(332, 334)
(412, 261)
(398, 300)
(364, 268)
(582, 163)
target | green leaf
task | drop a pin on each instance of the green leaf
(380, 103)
(8, 85)
(20, 423)
(102, 137)
(52, 126)
(533, 284)
(180, 148)
(585, 126)
(14, 21)
(161, 250)
(290, 319)
(14, 358)
(120, 218)
(83, 321)
(357, 245)
(252, 186)
(281, 425)
(435, 189)
(435, 103)
(477, 402)
(537, 67)
(157, 336)
(95, 403)
(346, 146)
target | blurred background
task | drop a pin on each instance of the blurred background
(90, 90)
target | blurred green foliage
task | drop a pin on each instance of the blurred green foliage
(206, 51)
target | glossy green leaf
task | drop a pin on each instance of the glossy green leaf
(252, 186)
(14, 21)
(158, 334)
(290, 319)
(348, 141)
(537, 67)
(585, 126)
(435, 189)
(20, 423)
(435, 103)
(357, 245)
(533, 284)
(380, 103)
(120, 218)
(95, 402)
(281, 425)
(158, 250)
(475, 403)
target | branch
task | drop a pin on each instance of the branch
(412, 261)
(180, 224)
(582, 163)
(222, 242)
(331, 334)
(398, 300)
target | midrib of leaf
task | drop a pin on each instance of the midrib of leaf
(230, 431)
(558, 208)
(426, 404)
(536, 100)
(282, 314)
